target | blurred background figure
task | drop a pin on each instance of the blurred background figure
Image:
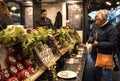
(118, 49)
(5, 18)
(58, 20)
(44, 21)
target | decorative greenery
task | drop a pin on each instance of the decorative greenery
(44, 33)
(74, 34)
(31, 40)
(36, 38)
(64, 36)
(61, 38)
(11, 36)
(52, 68)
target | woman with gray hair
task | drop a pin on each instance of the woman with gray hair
(105, 42)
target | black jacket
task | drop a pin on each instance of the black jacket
(44, 22)
(106, 37)
(4, 21)
(118, 28)
(58, 20)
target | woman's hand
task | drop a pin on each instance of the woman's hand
(95, 43)
(89, 47)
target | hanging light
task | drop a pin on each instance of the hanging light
(77, 16)
(117, 3)
(13, 8)
(108, 3)
(28, 3)
(73, 1)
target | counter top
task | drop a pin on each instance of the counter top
(77, 66)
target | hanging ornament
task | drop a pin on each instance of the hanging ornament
(27, 63)
(31, 70)
(19, 58)
(12, 79)
(10, 51)
(5, 74)
(19, 66)
(13, 70)
(1, 76)
(23, 75)
(0, 67)
(11, 60)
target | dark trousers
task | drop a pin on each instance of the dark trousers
(99, 72)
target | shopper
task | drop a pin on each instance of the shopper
(117, 52)
(44, 21)
(5, 18)
(106, 42)
(58, 20)
(118, 28)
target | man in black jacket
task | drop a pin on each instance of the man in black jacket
(44, 21)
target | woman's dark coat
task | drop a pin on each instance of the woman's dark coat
(106, 37)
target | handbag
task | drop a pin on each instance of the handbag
(104, 61)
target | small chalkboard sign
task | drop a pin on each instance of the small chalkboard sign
(45, 55)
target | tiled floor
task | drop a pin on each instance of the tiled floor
(88, 75)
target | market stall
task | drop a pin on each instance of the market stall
(28, 53)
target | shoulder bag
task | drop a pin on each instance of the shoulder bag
(104, 61)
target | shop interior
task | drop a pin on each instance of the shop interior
(47, 60)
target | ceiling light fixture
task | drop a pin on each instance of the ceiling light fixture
(77, 16)
(72, 2)
(108, 3)
(13, 8)
(28, 3)
(117, 3)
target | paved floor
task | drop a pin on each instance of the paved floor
(88, 75)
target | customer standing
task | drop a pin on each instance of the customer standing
(58, 20)
(118, 28)
(5, 18)
(106, 42)
(44, 21)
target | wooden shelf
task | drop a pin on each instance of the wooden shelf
(42, 69)
(37, 74)
(63, 51)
